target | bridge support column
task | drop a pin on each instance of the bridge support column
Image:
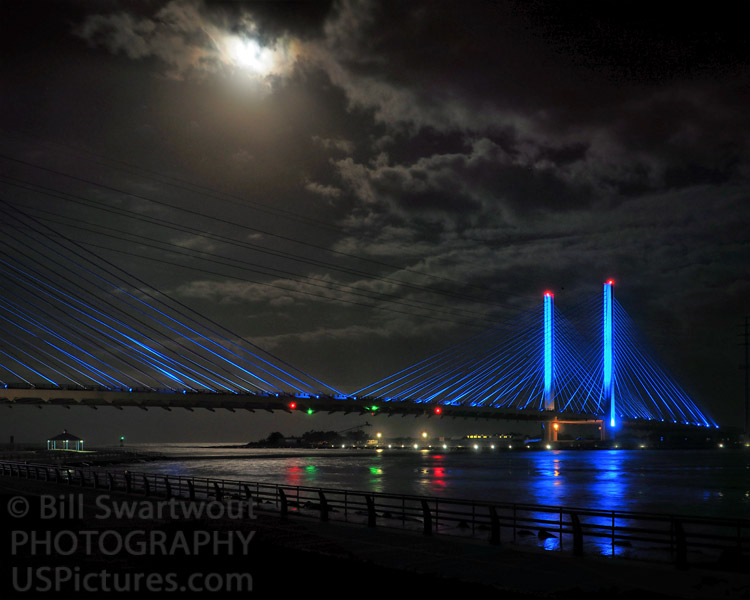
(608, 359)
(549, 351)
(550, 430)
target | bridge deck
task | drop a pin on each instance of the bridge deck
(167, 400)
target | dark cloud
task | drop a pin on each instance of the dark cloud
(187, 37)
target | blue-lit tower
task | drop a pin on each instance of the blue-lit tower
(608, 360)
(549, 351)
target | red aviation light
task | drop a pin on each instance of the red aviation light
(611, 282)
(438, 410)
(292, 405)
(549, 294)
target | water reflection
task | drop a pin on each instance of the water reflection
(551, 479)
(293, 475)
(692, 482)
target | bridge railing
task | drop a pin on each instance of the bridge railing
(639, 535)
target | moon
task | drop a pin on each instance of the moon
(250, 55)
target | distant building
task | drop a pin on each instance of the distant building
(65, 441)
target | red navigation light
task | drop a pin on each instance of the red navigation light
(292, 405)
(611, 282)
(549, 294)
(438, 410)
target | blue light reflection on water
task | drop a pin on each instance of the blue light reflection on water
(691, 482)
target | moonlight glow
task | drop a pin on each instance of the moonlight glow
(250, 55)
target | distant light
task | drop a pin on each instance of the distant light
(343, 446)
(556, 426)
(492, 446)
(721, 445)
(310, 411)
(510, 447)
(445, 446)
(380, 435)
(416, 446)
(379, 450)
(390, 446)
(476, 446)
(424, 434)
(549, 447)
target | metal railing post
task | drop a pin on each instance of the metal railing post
(284, 506)
(323, 506)
(371, 517)
(681, 543)
(494, 527)
(427, 518)
(577, 535)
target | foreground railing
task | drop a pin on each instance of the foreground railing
(647, 536)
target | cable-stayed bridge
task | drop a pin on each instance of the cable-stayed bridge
(78, 330)
(589, 365)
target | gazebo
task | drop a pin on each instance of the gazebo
(65, 441)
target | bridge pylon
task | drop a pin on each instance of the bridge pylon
(608, 360)
(549, 351)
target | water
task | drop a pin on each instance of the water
(692, 482)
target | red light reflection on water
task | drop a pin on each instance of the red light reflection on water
(293, 475)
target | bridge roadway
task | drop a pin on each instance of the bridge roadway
(167, 400)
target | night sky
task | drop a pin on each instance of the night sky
(355, 186)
